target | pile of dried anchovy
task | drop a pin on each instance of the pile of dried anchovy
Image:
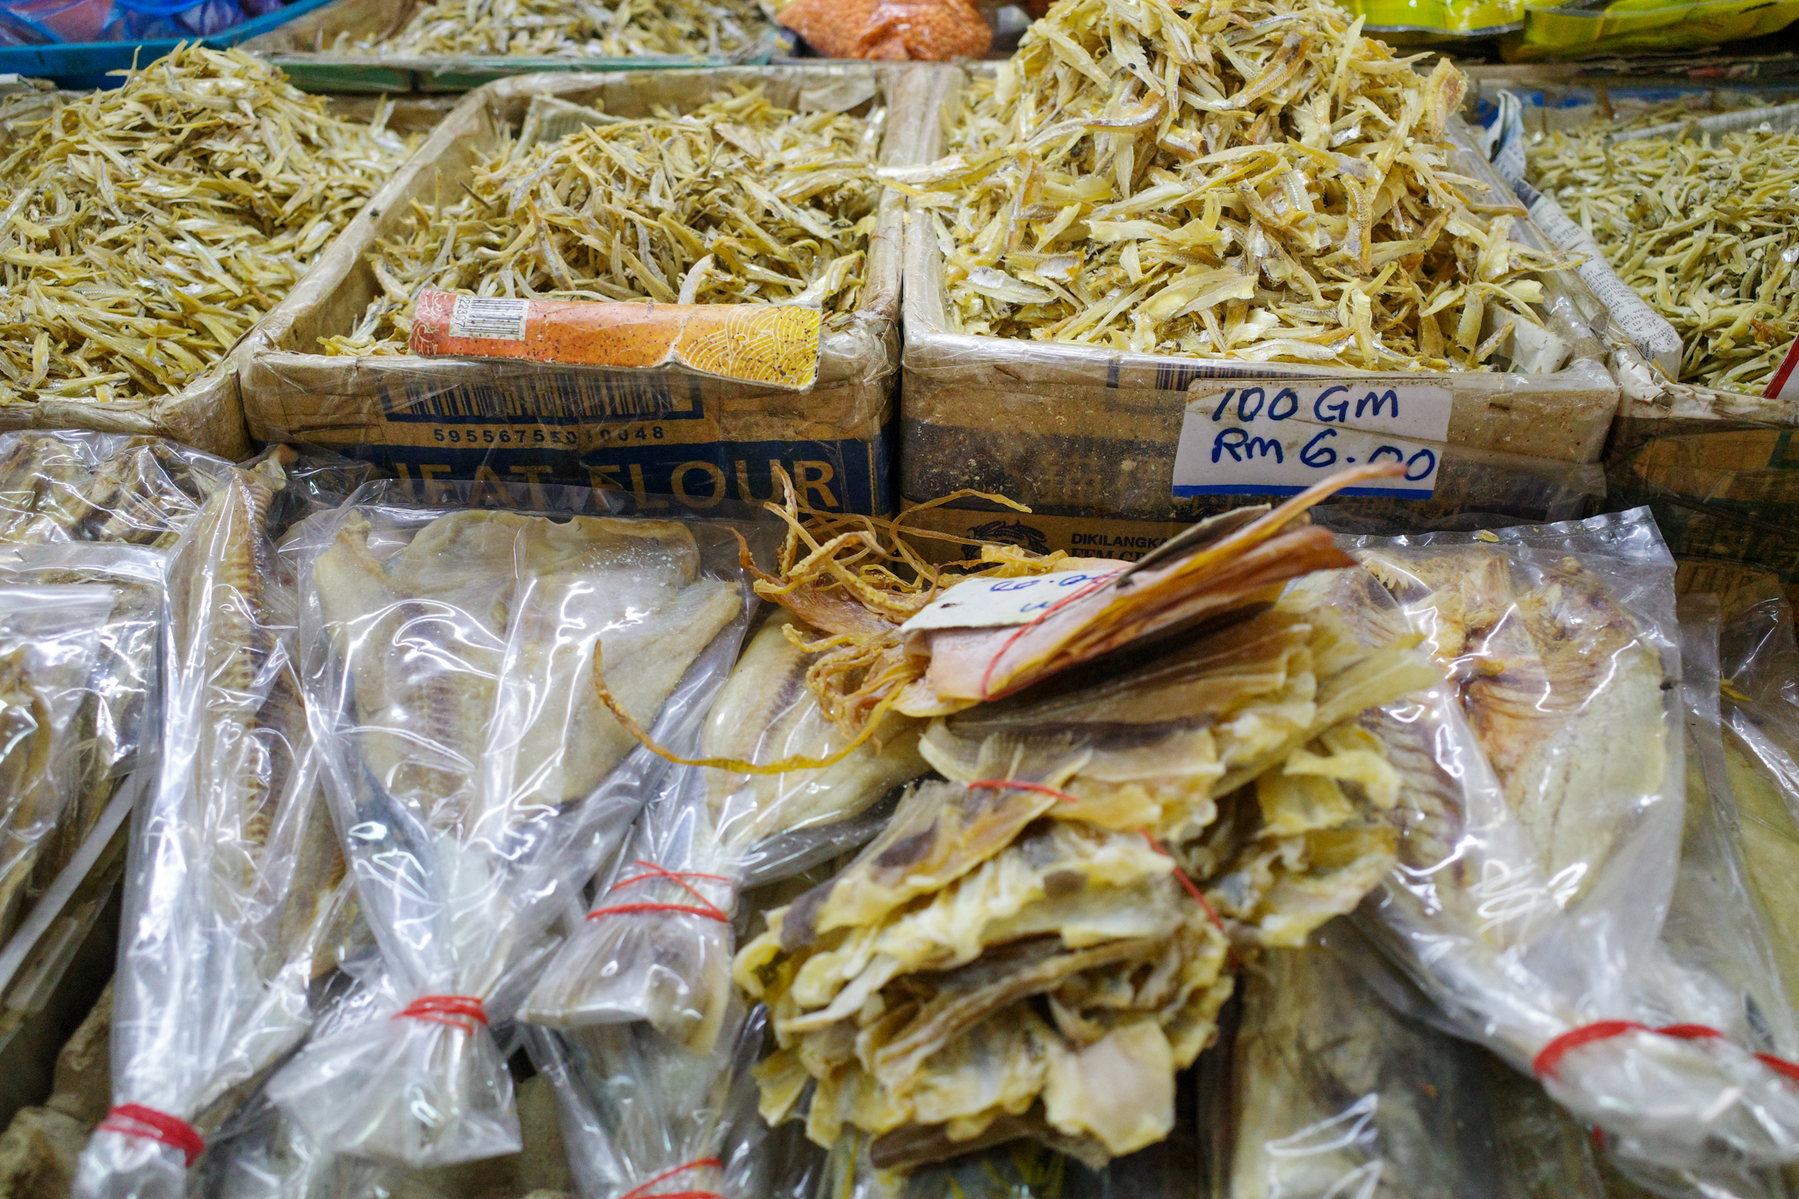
(1245, 179)
(738, 202)
(149, 227)
(598, 28)
(1707, 233)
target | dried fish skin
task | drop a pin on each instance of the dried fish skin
(736, 201)
(149, 227)
(1702, 230)
(472, 772)
(1252, 183)
(596, 29)
(672, 967)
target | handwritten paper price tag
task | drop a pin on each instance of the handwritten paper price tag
(1278, 437)
(996, 603)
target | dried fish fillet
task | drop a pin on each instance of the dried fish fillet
(1703, 230)
(586, 28)
(473, 773)
(150, 226)
(1251, 181)
(735, 202)
(239, 889)
(658, 946)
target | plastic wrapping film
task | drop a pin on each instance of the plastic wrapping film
(79, 625)
(1761, 751)
(476, 780)
(234, 884)
(658, 431)
(658, 944)
(79, 486)
(642, 1116)
(1326, 1089)
(1543, 792)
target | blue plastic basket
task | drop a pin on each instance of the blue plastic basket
(88, 64)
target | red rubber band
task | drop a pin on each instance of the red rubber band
(652, 872)
(1083, 593)
(136, 1120)
(702, 1163)
(452, 1010)
(1065, 797)
(1545, 1062)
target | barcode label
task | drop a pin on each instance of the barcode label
(493, 317)
(543, 398)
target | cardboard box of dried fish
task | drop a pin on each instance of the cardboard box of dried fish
(762, 193)
(455, 45)
(1681, 200)
(1171, 300)
(147, 228)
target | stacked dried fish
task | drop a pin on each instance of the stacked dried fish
(1250, 179)
(150, 226)
(586, 28)
(1706, 231)
(736, 202)
(1035, 946)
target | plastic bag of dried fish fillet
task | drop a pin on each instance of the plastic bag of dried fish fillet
(450, 659)
(1761, 753)
(643, 1115)
(658, 944)
(1542, 786)
(234, 889)
(104, 738)
(71, 485)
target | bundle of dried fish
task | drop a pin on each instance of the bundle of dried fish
(452, 657)
(1250, 179)
(1703, 230)
(586, 28)
(150, 226)
(77, 486)
(1034, 947)
(658, 947)
(235, 890)
(1541, 794)
(735, 202)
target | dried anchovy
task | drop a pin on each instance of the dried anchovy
(1245, 179)
(1707, 233)
(149, 227)
(738, 202)
(599, 28)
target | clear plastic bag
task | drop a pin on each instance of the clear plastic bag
(234, 887)
(476, 781)
(49, 647)
(1543, 799)
(659, 942)
(643, 1115)
(70, 485)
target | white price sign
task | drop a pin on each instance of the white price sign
(1278, 437)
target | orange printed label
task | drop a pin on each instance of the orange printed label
(751, 343)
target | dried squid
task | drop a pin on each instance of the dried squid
(477, 784)
(736, 202)
(587, 28)
(150, 226)
(1242, 179)
(1703, 230)
(1036, 945)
